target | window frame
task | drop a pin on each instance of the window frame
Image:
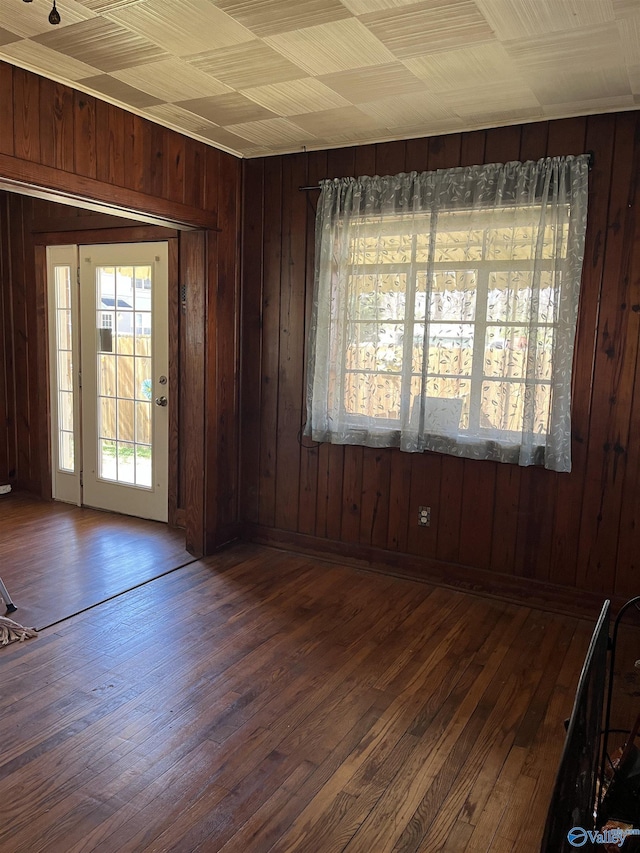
(482, 269)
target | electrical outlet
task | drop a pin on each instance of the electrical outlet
(424, 516)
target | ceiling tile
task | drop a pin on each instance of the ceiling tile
(108, 5)
(222, 138)
(362, 7)
(629, 30)
(382, 80)
(297, 96)
(516, 19)
(233, 108)
(274, 131)
(268, 17)
(116, 90)
(7, 37)
(561, 84)
(428, 26)
(624, 8)
(587, 46)
(245, 65)
(590, 107)
(183, 27)
(634, 78)
(332, 47)
(36, 57)
(177, 117)
(496, 98)
(456, 69)
(172, 80)
(335, 121)
(103, 44)
(406, 110)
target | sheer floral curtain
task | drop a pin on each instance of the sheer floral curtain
(445, 309)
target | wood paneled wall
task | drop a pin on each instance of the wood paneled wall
(493, 526)
(53, 136)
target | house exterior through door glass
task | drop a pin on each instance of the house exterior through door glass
(123, 427)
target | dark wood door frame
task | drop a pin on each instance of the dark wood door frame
(193, 460)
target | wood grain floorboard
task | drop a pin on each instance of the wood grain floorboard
(58, 559)
(265, 702)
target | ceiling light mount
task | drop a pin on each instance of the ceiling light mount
(54, 15)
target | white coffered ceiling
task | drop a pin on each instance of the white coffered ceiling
(258, 77)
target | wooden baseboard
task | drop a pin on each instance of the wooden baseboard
(527, 591)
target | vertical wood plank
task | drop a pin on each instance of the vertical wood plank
(222, 396)
(472, 148)
(270, 339)
(7, 416)
(39, 367)
(290, 368)
(174, 379)
(21, 264)
(153, 174)
(194, 167)
(84, 135)
(534, 139)
(110, 145)
(399, 500)
(416, 155)
(450, 509)
(253, 227)
(134, 162)
(214, 162)
(193, 279)
(174, 167)
(56, 125)
(213, 330)
(26, 115)
(6, 108)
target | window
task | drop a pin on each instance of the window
(445, 309)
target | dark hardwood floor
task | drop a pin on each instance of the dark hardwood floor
(264, 702)
(56, 559)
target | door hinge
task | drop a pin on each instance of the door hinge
(79, 379)
(81, 479)
(78, 276)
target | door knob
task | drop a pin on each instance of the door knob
(161, 401)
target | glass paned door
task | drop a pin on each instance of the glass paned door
(64, 356)
(125, 393)
(125, 383)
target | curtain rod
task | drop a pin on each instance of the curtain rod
(317, 186)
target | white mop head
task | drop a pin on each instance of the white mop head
(12, 632)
